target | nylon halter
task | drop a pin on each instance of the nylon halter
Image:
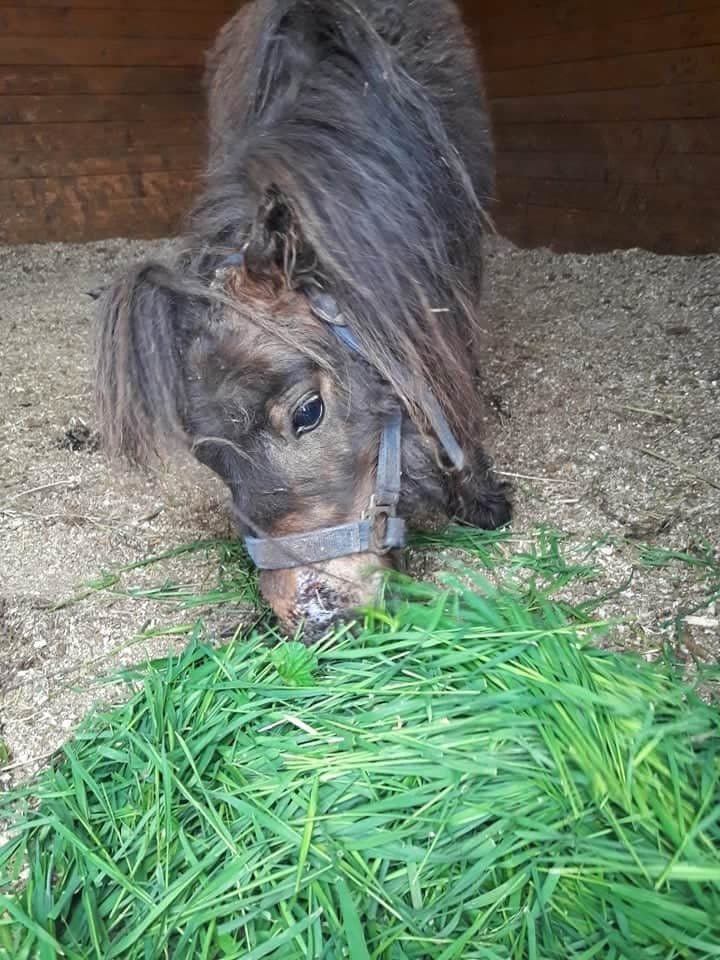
(379, 529)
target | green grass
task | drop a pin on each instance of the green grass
(705, 560)
(466, 776)
(236, 580)
(541, 568)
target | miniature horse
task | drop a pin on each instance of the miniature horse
(315, 344)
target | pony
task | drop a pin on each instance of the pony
(315, 342)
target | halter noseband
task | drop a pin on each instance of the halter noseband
(379, 530)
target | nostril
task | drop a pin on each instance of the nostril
(317, 602)
(316, 598)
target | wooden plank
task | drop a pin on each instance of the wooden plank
(102, 51)
(54, 80)
(683, 100)
(676, 32)
(85, 208)
(95, 191)
(574, 230)
(72, 21)
(65, 221)
(153, 108)
(699, 65)
(93, 161)
(498, 20)
(623, 197)
(633, 136)
(229, 6)
(694, 169)
(47, 139)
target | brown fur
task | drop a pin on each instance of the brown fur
(349, 148)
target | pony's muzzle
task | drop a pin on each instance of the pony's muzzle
(317, 596)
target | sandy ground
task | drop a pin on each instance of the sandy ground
(603, 394)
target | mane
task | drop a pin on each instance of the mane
(335, 149)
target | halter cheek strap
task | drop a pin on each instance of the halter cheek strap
(379, 530)
(325, 307)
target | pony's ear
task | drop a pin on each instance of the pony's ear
(143, 328)
(276, 245)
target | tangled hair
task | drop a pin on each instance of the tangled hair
(350, 148)
(349, 151)
(139, 346)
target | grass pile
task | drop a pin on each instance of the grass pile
(468, 777)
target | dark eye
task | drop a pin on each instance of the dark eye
(308, 414)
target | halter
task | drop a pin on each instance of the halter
(379, 530)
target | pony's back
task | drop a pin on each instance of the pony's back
(427, 37)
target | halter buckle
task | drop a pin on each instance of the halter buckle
(379, 515)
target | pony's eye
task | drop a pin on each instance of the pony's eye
(308, 414)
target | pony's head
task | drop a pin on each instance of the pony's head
(315, 345)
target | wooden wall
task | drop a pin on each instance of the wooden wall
(101, 116)
(606, 116)
(607, 121)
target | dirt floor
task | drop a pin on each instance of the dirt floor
(603, 393)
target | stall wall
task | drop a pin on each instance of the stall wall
(101, 121)
(606, 117)
(607, 121)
